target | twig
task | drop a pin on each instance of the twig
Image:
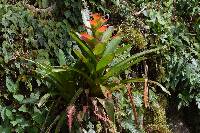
(146, 89)
(55, 120)
(43, 125)
(133, 105)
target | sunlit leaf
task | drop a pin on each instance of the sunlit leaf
(104, 61)
(112, 45)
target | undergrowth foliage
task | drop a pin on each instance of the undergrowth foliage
(97, 73)
(23, 35)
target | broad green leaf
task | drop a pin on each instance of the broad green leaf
(5, 129)
(11, 86)
(104, 61)
(34, 97)
(109, 106)
(14, 123)
(112, 45)
(99, 48)
(107, 34)
(19, 97)
(57, 70)
(76, 96)
(45, 3)
(9, 114)
(23, 108)
(61, 57)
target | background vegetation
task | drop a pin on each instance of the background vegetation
(145, 79)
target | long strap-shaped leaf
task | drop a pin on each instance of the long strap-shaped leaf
(113, 71)
(84, 60)
(82, 46)
(134, 80)
(49, 70)
(58, 68)
(117, 70)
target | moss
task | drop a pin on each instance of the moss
(133, 35)
(158, 119)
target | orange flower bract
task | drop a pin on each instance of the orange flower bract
(93, 22)
(97, 20)
(96, 16)
(102, 28)
(86, 37)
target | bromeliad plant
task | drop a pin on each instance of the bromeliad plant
(96, 49)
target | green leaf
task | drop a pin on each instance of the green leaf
(118, 68)
(11, 86)
(61, 120)
(3, 113)
(45, 3)
(39, 118)
(84, 60)
(99, 48)
(123, 65)
(19, 97)
(123, 49)
(112, 45)
(133, 80)
(5, 129)
(82, 46)
(104, 61)
(14, 123)
(61, 57)
(23, 108)
(9, 114)
(158, 84)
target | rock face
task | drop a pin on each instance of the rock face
(185, 120)
(178, 126)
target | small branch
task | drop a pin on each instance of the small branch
(146, 89)
(43, 126)
(128, 86)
